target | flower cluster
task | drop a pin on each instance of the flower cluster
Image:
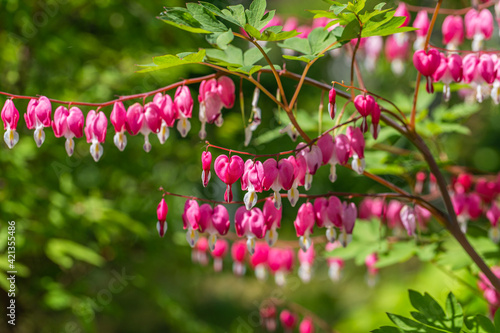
(288, 319)
(155, 117)
(491, 295)
(471, 203)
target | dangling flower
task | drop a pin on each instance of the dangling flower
(335, 264)
(268, 315)
(144, 120)
(238, 252)
(280, 262)
(10, 117)
(299, 172)
(478, 27)
(306, 326)
(118, 118)
(495, 90)
(259, 260)
(250, 223)
(277, 176)
(449, 70)
(332, 105)
(453, 31)
(304, 224)
(328, 215)
(291, 131)
(68, 124)
(372, 271)
(373, 47)
(328, 152)
(419, 184)
(161, 212)
(365, 104)
(422, 23)
(348, 220)
(375, 125)
(427, 63)
(214, 94)
(272, 218)
(183, 103)
(191, 219)
(37, 117)
(95, 131)
(342, 152)
(396, 54)
(306, 260)
(313, 159)
(251, 181)
(219, 252)
(408, 219)
(168, 114)
(487, 73)
(493, 215)
(357, 149)
(486, 190)
(229, 170)
(214, 221)
(206, 163)
(288, 320)
(393, 216)
(199, 252)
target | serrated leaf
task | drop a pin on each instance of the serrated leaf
(170, 60)
(271, 36)
(410, 325)
(224, 13)
(337, 9)
(231, 56)
(304, 58)
(266, 19)
(238, 13)
(426, 305)
(455, 313)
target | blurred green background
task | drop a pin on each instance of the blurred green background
(80, 225)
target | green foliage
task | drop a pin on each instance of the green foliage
(429, 317)
(168, 61)
(317, 43)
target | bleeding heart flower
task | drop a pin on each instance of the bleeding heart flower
(357, 144)
(375, 125)
(453, 31)
(272, 218)
(397, 53)
(299, 172)
(313, 159)
(95, 131)
(365, 104)
(348, 220)
(183, 103)
(478, 27)
(449, 70)
(168, 114)
(259, 260)
(268, 316)
(332, 105)
(422, 23)
(306, 326)
(328, 214)
(161, 212)
(277, 176)
(37, 117)
(335, 264)
(403, 11)
(493, 215)
(238, 252)
(280, 262)
(250, 223)
(10, 117)
(370, 262)
(252, 181)
(118, 118)
(408, 219)
(199, 252)
(191, 219)
(427, 63)
(219, 252)
(304, 224)
(68, 124)
(214, 221)
(373, 47)
(288, 320)
(229, 170)
(206, 163)
(306, 260)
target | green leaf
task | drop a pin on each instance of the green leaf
(410, 325)
(496, 320)
(427, 252)
(454, 313)
(205, 18)
(226, 14)
(337, 9)
(224, 39)
(182, 19)
(485, 323)
(351, 31)
(169, 60)
(400, 252)
(231, 56)
(255, 13)
(238, 13)
(426, 305)
(252, 55)
(379, 6)
(304, 58)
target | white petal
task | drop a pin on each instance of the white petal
(212, 239)
(163, 134)
(39, 136)
(96, 150)
(277, 199)
(251, 245)
(183, 126)
(271, 237)
(293, 196)
(250, 199)
(192, 237)
(305, 242)
(11, 138)
(331, 234)
(308, 181)
(70, 146)
(333, 173)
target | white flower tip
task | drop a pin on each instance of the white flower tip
(163, 134)
(251, 245)
(305, 242)
(212, 239)
(39, 136)
(271, 237)
(161, 227)
(192, 237)
(96, 151)
(293, 196)
(11, 138)
(183, 126)
(120, 140)
(70, 146)
(308, 181)
(250, 199)
(331, 234)
(277, 200)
